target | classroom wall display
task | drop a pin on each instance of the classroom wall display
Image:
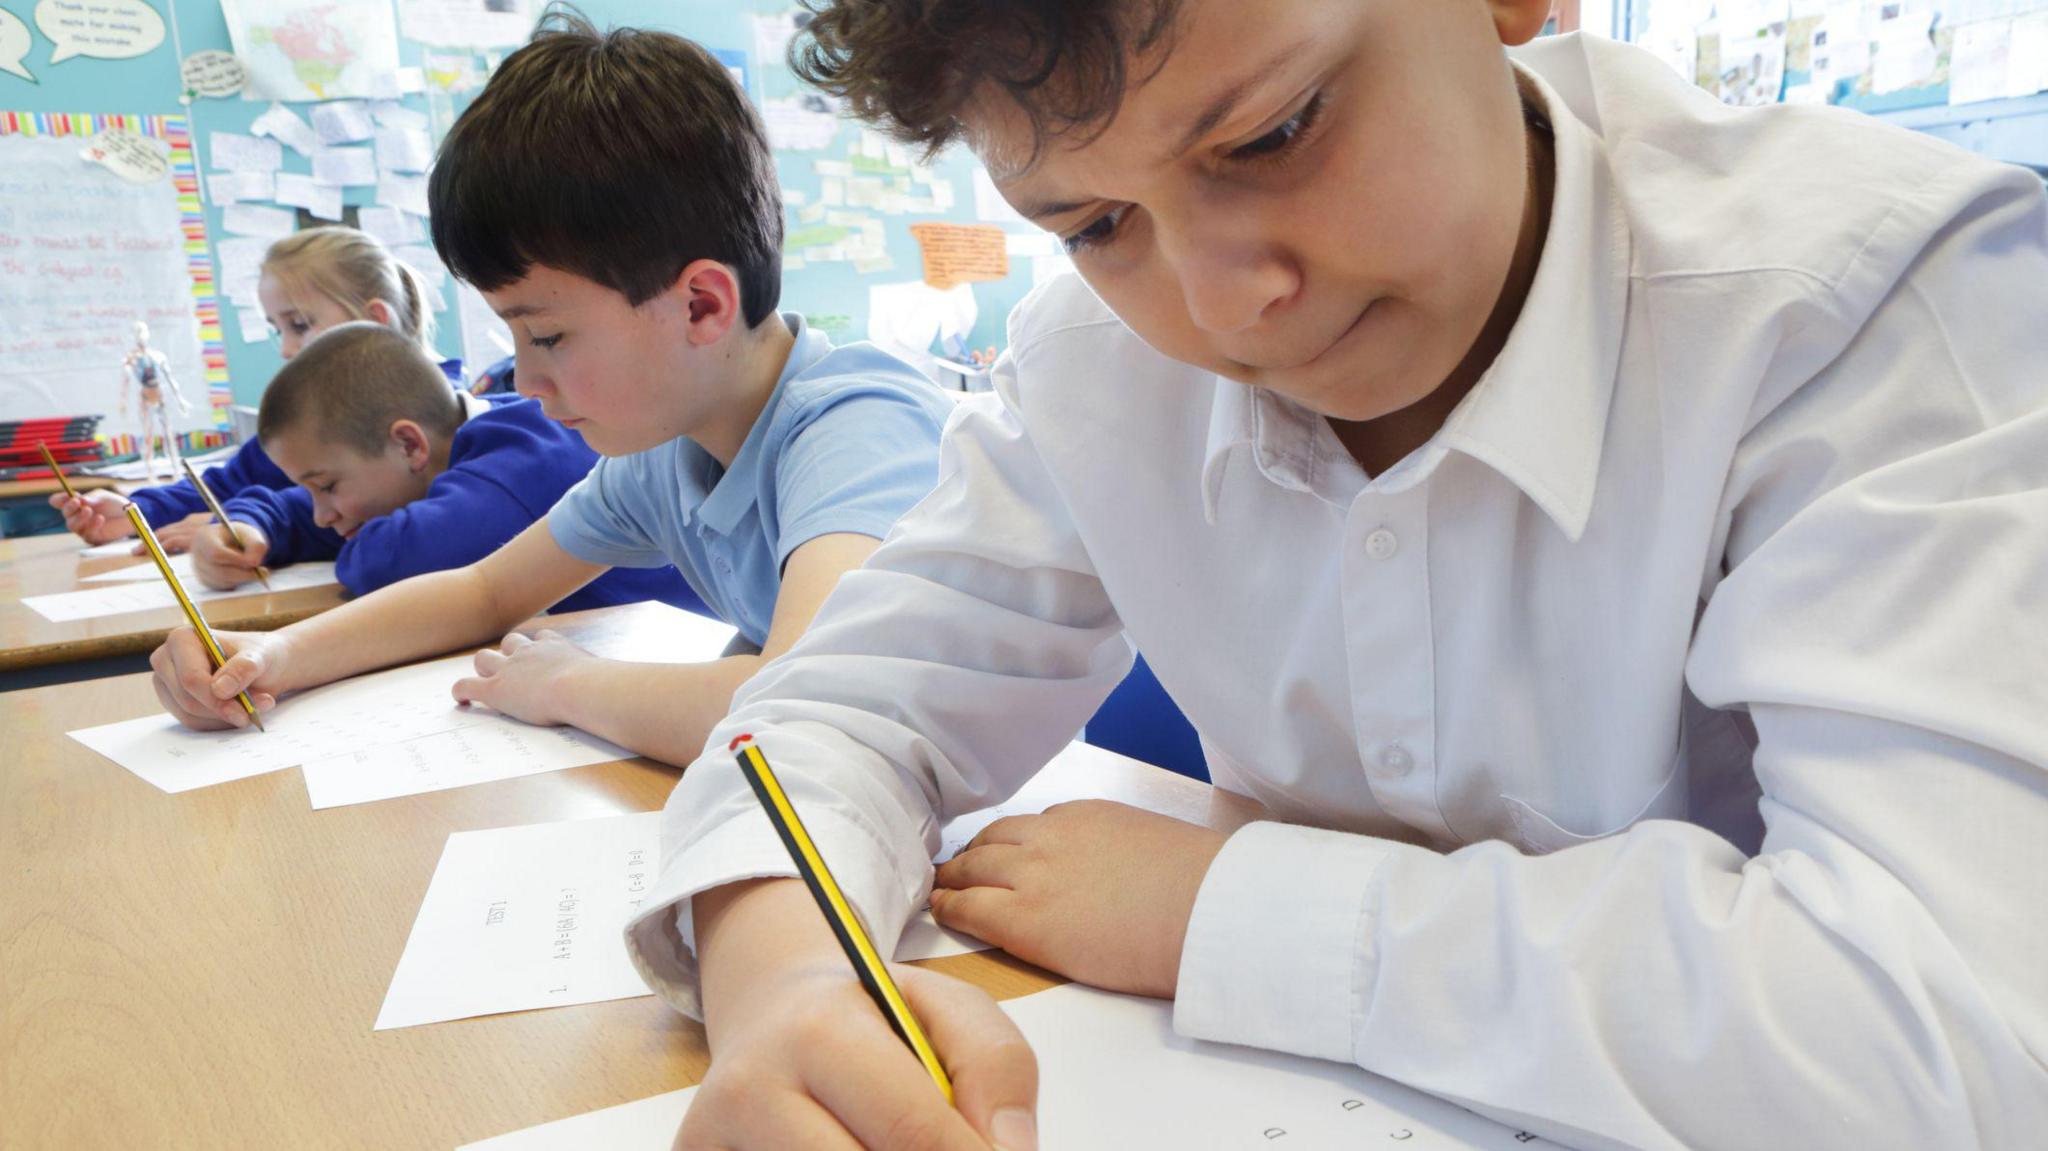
(1873, 55)
(85, 253)
(267, 166)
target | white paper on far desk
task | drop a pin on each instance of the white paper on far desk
(1112, 1075)
(379, 709)
(145, 569)
(149, 595)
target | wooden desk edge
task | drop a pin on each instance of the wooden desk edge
(139, 642)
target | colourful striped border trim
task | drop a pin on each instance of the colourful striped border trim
(177, 132)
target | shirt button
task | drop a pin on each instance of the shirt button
(1381, 544)
(1396, 759)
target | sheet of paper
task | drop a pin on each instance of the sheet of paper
(284, 125)
(258, 221)
(386, 707)
(302, 191)
(390, 226)
(467, 755)
(523, 917)
(407, 193)
(242, 187)
(402, 149)
(342, 122)
(252, 324)
(1168, 1092)
(145, 570)
(1978, 63)
(149, 595)
(345, 167)
(116, 548)
(230, 152)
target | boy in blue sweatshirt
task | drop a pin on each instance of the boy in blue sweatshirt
(396, 474)
(640, 272)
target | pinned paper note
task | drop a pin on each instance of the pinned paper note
(283, 125)
(989, 204)
(102, 29)
(390, 226)
(213, 74)
(136, 159)
(254, 327)
(342, 122)
(236, 153)
(241, 187)
(404, 149)
(961, 253)
(302, 191)
(345, 167)
(296, 50)
(407, 193)
(255, 220)
(14, 45)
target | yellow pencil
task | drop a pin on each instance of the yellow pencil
(43, 446)
(163, 565)
(853, 938)
(213, 505)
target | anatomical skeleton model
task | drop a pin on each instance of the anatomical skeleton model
(149, 374)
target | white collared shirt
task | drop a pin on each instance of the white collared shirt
(1660, 746)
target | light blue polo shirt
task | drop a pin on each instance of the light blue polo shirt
(848, 442)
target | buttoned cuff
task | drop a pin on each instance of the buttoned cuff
(1279, 948)
(662, 939)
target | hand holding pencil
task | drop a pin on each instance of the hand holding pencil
(234, 533)
(192, 615)
(803, 1056)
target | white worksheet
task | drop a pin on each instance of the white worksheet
(138, 594)
(144, 569)
(479, 753)
(385, 707)
(119, 547)
(1112, 1075)
(522, 917)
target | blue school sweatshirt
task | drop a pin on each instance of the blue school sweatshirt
(249, 467)
(507, 465)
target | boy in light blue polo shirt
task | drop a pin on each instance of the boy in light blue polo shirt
(845, 444)
(640, 274)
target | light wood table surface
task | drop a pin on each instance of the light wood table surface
(47, 486)
(203, 969)
(44, 565)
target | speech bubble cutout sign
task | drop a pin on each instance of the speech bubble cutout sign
(133, 158)
(102, 29)
(14, 44)
(213, 73)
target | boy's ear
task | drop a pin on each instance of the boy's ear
(710, 293)
(413, 443)
(1518, 21)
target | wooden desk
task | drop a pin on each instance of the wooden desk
(48, 486)
(42, 565)
(203, 969)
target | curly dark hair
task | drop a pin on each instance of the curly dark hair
(910, 66)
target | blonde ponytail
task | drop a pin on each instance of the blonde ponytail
(352, 268)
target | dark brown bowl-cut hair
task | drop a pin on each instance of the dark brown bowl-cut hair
(910, 66)
(620, 157)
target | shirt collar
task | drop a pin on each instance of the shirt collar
(1538, 415)
(725, 504)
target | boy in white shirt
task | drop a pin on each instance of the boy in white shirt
(1606, 530)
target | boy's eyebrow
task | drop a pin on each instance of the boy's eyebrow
(1227, 101)
(1217, 111)
(517, 311)
(310, 476)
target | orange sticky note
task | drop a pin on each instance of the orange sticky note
(961, 253)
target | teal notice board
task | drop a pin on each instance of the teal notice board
(833, 291)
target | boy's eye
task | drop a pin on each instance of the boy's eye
(1284, 135)
(545, 341)
(1097, 232)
